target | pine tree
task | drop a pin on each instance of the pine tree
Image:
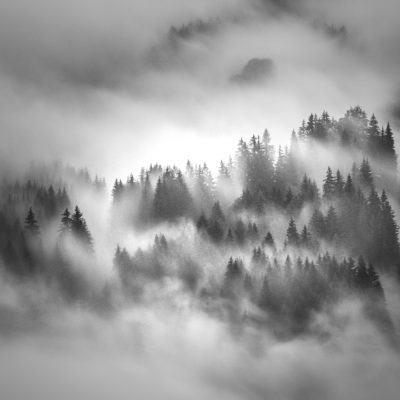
(80, 230)
(390, 245)
(240, 232)
(310, 125)
(329, 184)
(374, 281)
(362, 280)
(269, 240)
(233, 277)
(389, 149)
(229, 237)
(317, 224)
(202, 222)
(373, 139)
(217, 214)
(349, 189)
(365, 174)
(117, 190)
(302, 132)
(305, 238)
(215, 231)
(288, 272)
(65, 221)
(331, 223)
(389, 141)
(292, 235)
(339, 184)
(31, 224)
(268, 147)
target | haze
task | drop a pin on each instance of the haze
(79, 82)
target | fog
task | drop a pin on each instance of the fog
(176, 353)
(137, 298)
(79, 82)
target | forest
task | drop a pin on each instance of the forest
(263, 242)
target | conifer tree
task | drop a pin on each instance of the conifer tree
(329, 184)
(240, 232)
(217, 214)
(373, 136)
(389, 141)
(349, 189)
(229, 237)
(79, 228)
(339, 184)
(374, 281)
(317, 224)
(202, 222)
(331, 223)
(233, 277)
(390, 245)
(292, 235)
(361, 275)
(117, 190)
(365, 173)
(65, 221)
(305, 237)
(269, 240)
(215, 231)
(31, 224)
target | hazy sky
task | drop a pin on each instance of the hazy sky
(99, 85)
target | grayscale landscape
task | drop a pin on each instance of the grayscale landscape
(199, 200)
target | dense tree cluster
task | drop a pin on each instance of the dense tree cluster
(353, 130)
(265, 212)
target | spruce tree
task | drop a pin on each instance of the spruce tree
(217, 214)
(215, 231)
(117, 190)
(317, 224)
(80, 230)
(65, 221)
(365, 173)
(362, 280)
(229, 237)
(292, 235)
(329, 184)
(390, 251)
(31, 224)
(373, 137)
(349, 189)
(339, 184)
(305, 238)
(240, 232)
(331, 223)
(389, 141)
(269, 240)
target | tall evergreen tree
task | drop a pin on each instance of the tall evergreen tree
(373, 136)
(329, 184)
(65, 221)
(31, 224)
(365, 174)
(390, 252)
(292, 236)
(349, 189)
(80, 230)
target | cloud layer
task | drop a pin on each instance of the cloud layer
(106, 86)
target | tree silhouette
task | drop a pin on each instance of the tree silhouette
(31, 224)
(80, 230)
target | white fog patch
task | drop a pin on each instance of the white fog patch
(152, 353)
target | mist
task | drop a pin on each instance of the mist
(80, 83)
(199, 200)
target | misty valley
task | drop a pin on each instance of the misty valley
(261, 244)
(199, 200)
